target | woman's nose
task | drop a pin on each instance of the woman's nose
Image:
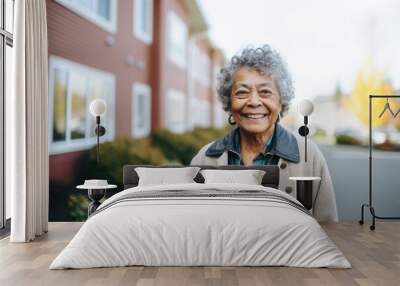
(254, 99)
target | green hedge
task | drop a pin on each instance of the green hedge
(178, 148)
(115, 154)
(77, 207)
(347, 140)
(181, 148)
(161, 147)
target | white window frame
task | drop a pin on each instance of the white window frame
(193, 54)
(6, 92)
(140, 89)
(108, 120)
(205, 69)
(172, 108)
(109, 26)
(205, 113)
(179, 58)
(200, 65)
(145, 36)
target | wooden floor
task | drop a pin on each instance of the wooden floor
(375, 257)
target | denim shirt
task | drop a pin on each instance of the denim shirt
(278, 146)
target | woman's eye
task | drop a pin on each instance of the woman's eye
(265, 91)
(241, 93)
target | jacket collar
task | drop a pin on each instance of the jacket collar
(284, 144)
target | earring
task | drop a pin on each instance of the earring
(279, 118)
(231, 120)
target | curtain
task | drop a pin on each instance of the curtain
(26, 117)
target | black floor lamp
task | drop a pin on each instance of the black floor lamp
(304, 185)
(369, 205)
(96, 188)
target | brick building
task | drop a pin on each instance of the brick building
(151, 60)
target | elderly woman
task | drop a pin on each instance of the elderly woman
(256, 89)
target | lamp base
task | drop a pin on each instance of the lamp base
(303, 130)
(95, 195)
(100, 130)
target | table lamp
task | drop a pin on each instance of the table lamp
(97, 109)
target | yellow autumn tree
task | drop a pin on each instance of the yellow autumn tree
(371, 81)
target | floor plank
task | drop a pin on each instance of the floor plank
(375, 257)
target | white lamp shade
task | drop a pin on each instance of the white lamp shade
(98, 107)
(306, 107)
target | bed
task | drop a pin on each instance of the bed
(201, 224)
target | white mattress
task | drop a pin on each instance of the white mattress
(183, 231)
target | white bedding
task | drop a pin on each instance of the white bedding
(182, 231)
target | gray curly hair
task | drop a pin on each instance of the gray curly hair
(266, 61)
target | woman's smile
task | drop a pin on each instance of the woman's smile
(253, 115)
(251, 118)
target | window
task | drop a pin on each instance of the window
(72, 87)
(6, 61)
(205, 67)
(200, 65)
(141, 110)
(177, 40)
(143, 20)
(101, 12)
(200, 111)
(175, 111)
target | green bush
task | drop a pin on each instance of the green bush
(77, 206)
(320, 133)
(178, 148)
(181, 148)
(347, 140)
(162, 147)
(206, 135)
(115, 154)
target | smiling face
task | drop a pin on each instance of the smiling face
(255, 101)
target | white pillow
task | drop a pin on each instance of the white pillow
(162, 176)
(249, 177)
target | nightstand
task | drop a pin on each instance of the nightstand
(304, 190)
